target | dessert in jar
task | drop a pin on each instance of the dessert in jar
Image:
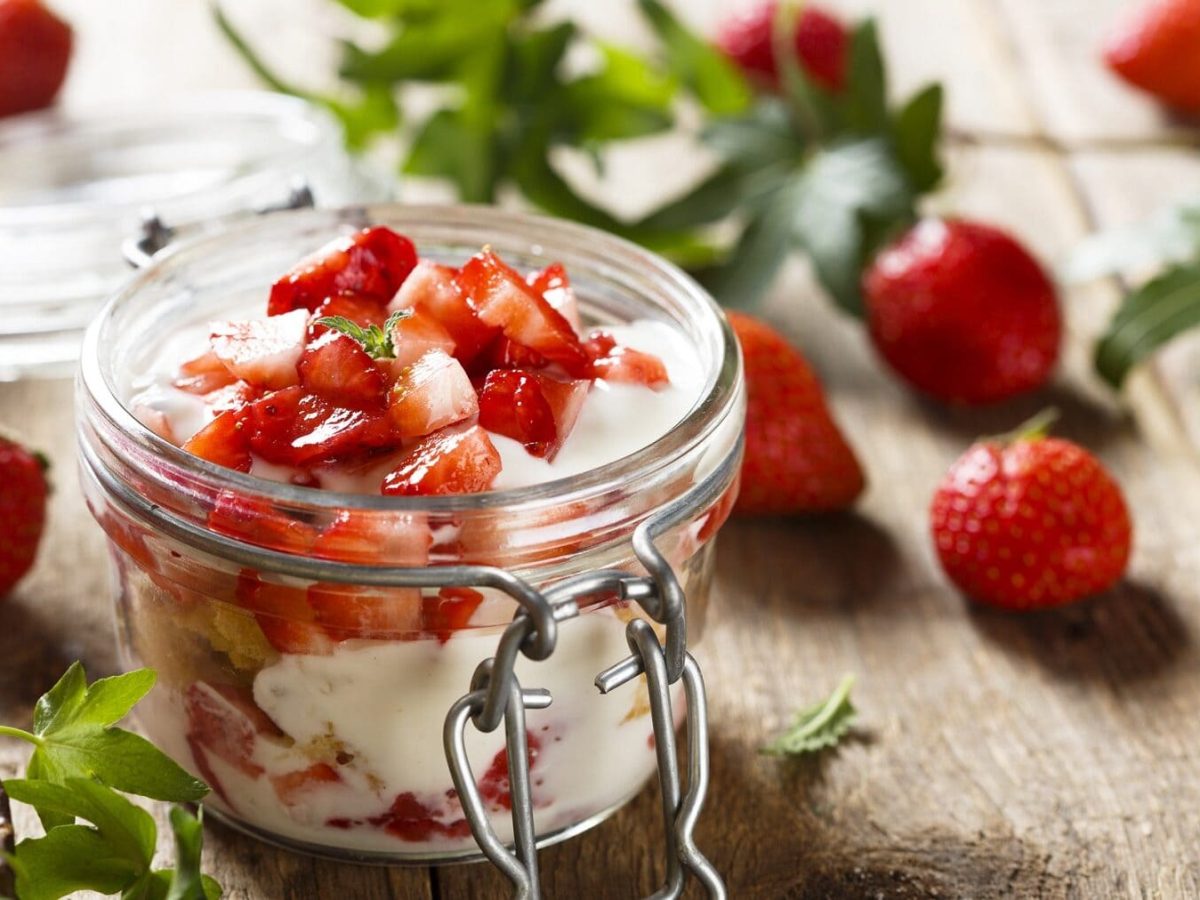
(273, 418)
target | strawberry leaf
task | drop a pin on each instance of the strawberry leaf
(1148, 318)
(915, 134)
(864, 108)
(819, 726)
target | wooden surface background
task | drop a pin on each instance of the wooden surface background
(1050, 755)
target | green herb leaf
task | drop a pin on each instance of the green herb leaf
(819, 726)
(716, 82)
(77, 738)
(915, 133)
(449, 147)
(186, 881)
(854, 196)
(69, 858)
(375, 340)
(1148, 318)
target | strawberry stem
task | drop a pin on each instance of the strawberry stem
(1034, 428)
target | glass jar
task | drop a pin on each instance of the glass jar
(74, 186)
(334, 745)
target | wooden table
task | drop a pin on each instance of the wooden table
(1050, 755)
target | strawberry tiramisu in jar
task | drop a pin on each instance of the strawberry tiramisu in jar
(335, 452)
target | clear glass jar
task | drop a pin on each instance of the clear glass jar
(74, 186)
(338, 751)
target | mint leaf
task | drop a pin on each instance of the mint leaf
(714, 80)
(77, 738)
(819, 726)
(1148, 318)
(375, 340)
(69, 858)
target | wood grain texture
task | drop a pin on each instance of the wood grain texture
(1050, 755)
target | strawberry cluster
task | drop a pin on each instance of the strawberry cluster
(369, 354)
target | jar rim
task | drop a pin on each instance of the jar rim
(717, 399)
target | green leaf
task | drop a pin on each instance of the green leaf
(375, 340)
(109, 700)
(716, 82)
(69, 858)
(626, 98)
(243, 49)
(853, 197)
(1171, 235)
(764, 136)
(187, 883)
(819, 726)
(712, 199)
(446, 147)
(865, 100)
(915, 133)
(62, 701)
(373, 113)
(1148, 318)
(534, 61)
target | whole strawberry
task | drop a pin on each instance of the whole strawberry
(23, 492)
(821, 44)
(1157, 49)
(796, 458)
(35, 48)
(1030, 522)
(963, 312)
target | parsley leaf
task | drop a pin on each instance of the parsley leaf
(819, 726)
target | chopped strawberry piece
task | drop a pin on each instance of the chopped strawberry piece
(232, 397)
(503, 353)
(258, 522)
(263, 352)
(358, 308)
(452, 461)
(292, 428)
(337, 368)
(495, 786)
(536, 409)
(381, 539)
(554, 286)
(374, 262)
(430, 394)
(284, 615)
(156, 420)
(411, 820)
(433, 289)
(449, 611)
(227, 723)
(612, 362)
(223, 441)
(414, 336)
(504, 300)
(204, 374)
(292, 786)
(711, 521)
(349, 611)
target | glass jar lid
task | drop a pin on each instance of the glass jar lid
(73, 186)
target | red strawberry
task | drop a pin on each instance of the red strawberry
(292, 428)
(257, 522)
(35, 49)
(361, 309)
(382, 539)
(821, 41)
(505, 301)
(338, 369)
(291, 787)
(554, 286)
(223, 441)
(430, 394)
(284, 615)
(227, 723)
(453, 461)
(796, 458)
(1157, 49)
(433, 289)
(374, 262)
(22, 511)
(536, 409)
(505, 354)
(612, 362)
(204, 374)
(264, 352)
(1029, 522)
(156, 420)
(449, 611)
(963, 313)
(414, 336)
(231, 397)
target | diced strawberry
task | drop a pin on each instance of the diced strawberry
(263, 352)
(531, 407)
(293, 428)
(503, 353)
(337, 368)
(223, 441)
(711, 521)
(504, 300)
(554, 286)
(257, 522)
(204, 374)
(384, 538)
(227, 723)
(449, 611)
(451, 461)
(433, 289)
(414, 336)
(494, 786)
(231, 397)
(374, 262)
(292, 786)
(349, 611)
(284, 615)
(156, 420)
(411, 820)
(430, 394)
(612, 362)
(358, 308)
